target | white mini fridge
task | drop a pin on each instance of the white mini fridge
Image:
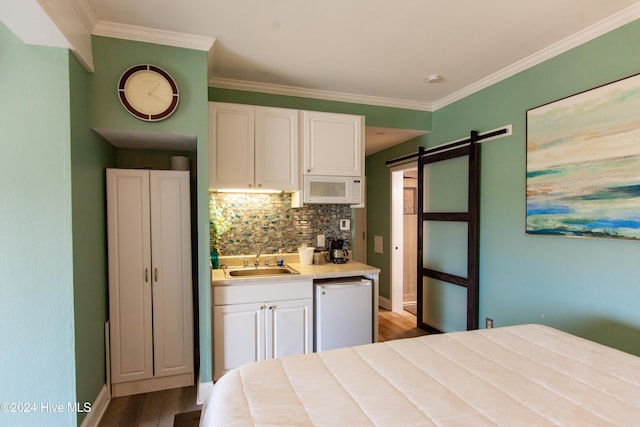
(343, 313)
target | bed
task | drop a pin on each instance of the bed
(518, 375)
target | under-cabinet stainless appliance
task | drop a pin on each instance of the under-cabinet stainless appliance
(343, 313)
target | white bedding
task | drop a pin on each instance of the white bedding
(528, 375)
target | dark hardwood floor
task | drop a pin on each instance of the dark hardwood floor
(150, 409)
(159, 408)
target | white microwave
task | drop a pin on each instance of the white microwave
(332, 189)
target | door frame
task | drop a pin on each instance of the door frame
(397, 234)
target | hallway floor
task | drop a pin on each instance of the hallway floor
(393, 325)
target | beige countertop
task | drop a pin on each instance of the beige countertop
(313, 272)
(285, 283)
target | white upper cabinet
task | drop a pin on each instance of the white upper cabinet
(231, 145)
(252, 147)
(332, 144)
(276, 148)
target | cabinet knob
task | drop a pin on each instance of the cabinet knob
(262, 307)
(259, 185)
(250, 185)
(271, 307)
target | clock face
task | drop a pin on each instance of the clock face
(148, 92)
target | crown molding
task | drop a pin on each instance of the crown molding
(152, 35)
(190, 41)
(316, 94)
(614, 21)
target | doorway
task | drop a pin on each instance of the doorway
(404, 221)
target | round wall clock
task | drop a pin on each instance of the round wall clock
(148, 92)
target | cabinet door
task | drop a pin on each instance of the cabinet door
(276, 148)
(171, 273)
(129, 255)
(332, 144)
(231, 146)
(289, 328)
(238, 336)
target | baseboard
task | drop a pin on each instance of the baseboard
(204, 391)
(151, 384)
(98, 409)
(384, 303)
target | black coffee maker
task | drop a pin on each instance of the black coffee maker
(337, 253)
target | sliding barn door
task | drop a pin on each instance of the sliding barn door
(448, 220)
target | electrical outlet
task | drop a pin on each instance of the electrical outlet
(345, 224)
(320, 241)
(488, 323)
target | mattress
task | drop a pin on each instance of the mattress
(529, 375)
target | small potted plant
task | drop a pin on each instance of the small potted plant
(219, 224)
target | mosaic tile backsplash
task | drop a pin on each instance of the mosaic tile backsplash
(267, 222)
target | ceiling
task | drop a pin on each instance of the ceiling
(376, 52)
(377, 138)
(379, 52)
(379, 49)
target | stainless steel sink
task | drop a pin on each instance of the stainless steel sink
(258, 271)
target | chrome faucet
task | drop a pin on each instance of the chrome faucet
(256, 262)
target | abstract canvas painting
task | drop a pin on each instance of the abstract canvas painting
(583, 164)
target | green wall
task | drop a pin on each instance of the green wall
(127, 158)
(189, 68)
(379, 206)
(374, 115)
(586, 286)
(37, 361)
(52, 281)
(90, 154)
(378, 181)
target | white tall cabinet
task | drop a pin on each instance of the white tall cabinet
(150, 284)
(252, 147)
